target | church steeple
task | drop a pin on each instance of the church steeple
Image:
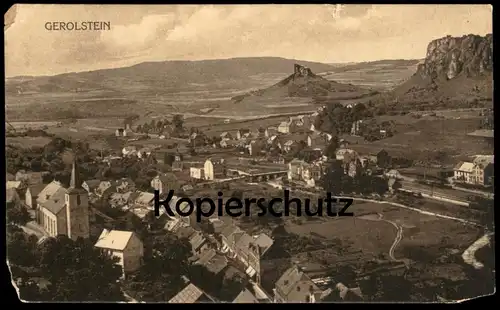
(75, 176)
(75, 184)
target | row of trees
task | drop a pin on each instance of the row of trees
(71, 270)
(160, 126)
(336, 181)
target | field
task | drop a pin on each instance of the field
(415, 137)
(367, 237)
(27, 142)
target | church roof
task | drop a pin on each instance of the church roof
(56, 201)
(48, 191)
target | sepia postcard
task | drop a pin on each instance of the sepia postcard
(249, 153)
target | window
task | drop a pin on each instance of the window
(78, 201)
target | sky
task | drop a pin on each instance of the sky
(322, 33)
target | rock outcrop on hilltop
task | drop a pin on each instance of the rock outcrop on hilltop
(457, 71)
(448, 57)
(304, 83)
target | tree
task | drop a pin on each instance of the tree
(178, 122)
(20, 247)
(397, 185)
(331, 150)
(332, 180)
(78, 271)
(17, 214)
(359, 111)
(160, 278)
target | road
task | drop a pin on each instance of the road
(469, 254)
(397, 238)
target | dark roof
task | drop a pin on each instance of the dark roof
(93, 184)
(212, 261)
(167, 177)
(36, 189)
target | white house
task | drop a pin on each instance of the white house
(125, 245)
(214, 168)
(196, 173)
(284, 127)
(129, 151)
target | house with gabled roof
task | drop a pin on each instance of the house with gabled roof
(211, 260)
(247, 249)
(191, 294)
(226, 135)
(274, 142)
(143, 200)
(295, 286)
(214, 168)
(284, 127)
(125, 245)
(91, 185)
(270, 131)
(32, 194)
(245, 297)
(240, 134)
(165, 182)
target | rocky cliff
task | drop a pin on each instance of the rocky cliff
(448, 57)
(456, 72)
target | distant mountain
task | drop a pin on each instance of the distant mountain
(304, 83)
(166, 76)
(455, 69)
(388, 64)
(381, 75)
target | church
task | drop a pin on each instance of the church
(64, 211)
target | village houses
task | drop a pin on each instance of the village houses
(32, 194)
(247, 249)
(197, 172)
(129, 151)
(242, 133)
(191, 294)
(30, 178)
(121, 132)
(270, 131)
(284, 127)
(214, 168)
(274, 142)
(63, 211)
(165, 182)
(197, 139)
(255, 147)
(91, 185)
(478, 172)
(299, 170)
(295, 286)
(226, 136)
(125, 245)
